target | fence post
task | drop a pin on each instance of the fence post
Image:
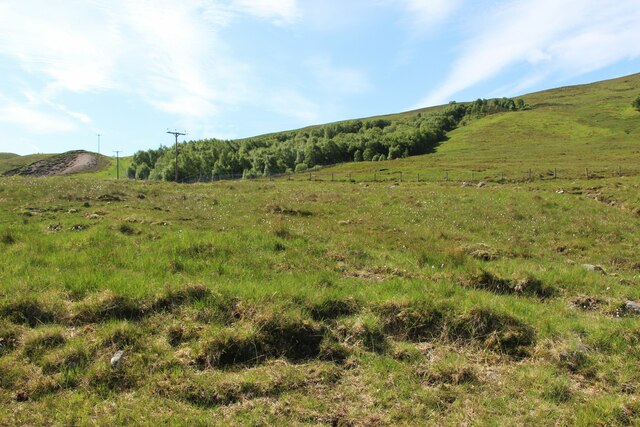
(401, 176)
(555, 173)
(418, 177)
(586, 172)
(501, 176)
(619, 170)
(350, 177)
(331, 177)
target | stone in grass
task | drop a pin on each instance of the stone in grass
(116, 360)
(596, 268)
(481, 184)
(632, 307)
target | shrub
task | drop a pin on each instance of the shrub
(636, 103)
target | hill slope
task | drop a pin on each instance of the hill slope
(569, 129)
(61, 164)
(10, 161)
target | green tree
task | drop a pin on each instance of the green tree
(143, 171)
(636, 103)
(357, 156)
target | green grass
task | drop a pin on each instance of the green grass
(110, 171)
(295, 302)
(345, 303)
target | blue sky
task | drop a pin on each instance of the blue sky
(131, 69)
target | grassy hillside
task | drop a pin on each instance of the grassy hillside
(568, 129)
(8, 162)
(109, 169)
(4, 156)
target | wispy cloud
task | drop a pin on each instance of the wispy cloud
(280, 11)
(168, 52)
(564, 37)
(35, 120)
(427, 14)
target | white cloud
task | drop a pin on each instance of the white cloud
(338, 78)
(426, 14)
(280, 11)
(34, 120)
(169, 52)
(567, 37)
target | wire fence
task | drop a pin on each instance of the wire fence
(430, 175)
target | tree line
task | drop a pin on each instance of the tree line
(364, 140)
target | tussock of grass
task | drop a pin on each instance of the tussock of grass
(32, 310)
(498, 332)
(526, 286)
(413, 321)
(42, 339)
(74, 356)
(107, 305)
(8, 238)
(365, 330)
(9, 336)
(177, 296)
(451, 370)
(420, 322)
(332, 308)
(269, 336)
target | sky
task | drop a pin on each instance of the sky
(130, 70)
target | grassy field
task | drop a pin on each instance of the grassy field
(277, 302)
(264, 303)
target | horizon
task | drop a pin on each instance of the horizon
(232, 69)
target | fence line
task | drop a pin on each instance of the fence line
(458, 176)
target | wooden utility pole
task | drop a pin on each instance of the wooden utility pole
(176, 134)
(117, 164)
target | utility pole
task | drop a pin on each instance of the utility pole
(176, 134)
(117, 164)
(98, 143)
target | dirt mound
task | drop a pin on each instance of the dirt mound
(62, 164)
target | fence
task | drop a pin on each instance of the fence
(430, 175)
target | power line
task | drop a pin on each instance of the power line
(98, 143)
(176, 134)
(117, 164)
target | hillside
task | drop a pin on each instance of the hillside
(72, 162)
(568, 129)
(10, 161)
